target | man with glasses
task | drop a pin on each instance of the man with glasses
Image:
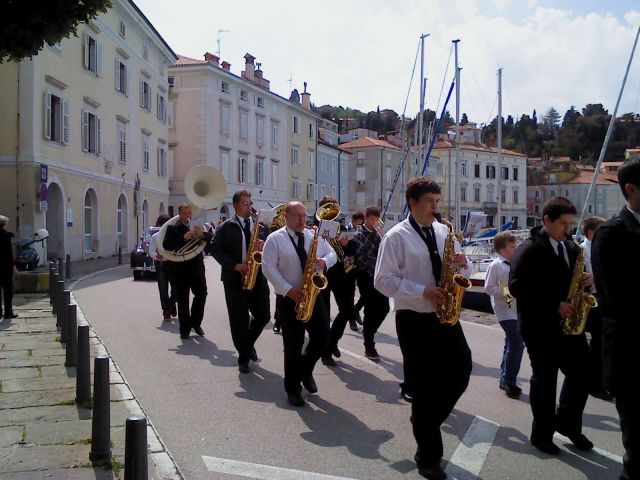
(230, 248)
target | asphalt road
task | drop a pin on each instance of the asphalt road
(214, 419)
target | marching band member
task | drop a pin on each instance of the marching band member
(540, 277)
(230, 248)
(357, 219)
(163, 276)
(616, 262)
(189, 275)
(283, 262)
(408, 269)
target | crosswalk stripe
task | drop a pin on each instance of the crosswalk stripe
(599, 451)
(468, 459)
(262, 472)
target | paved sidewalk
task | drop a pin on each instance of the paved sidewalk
(43, 433)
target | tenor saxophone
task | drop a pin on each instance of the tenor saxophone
(254, 259)
(312, 283)
(452, 281)
(581, 300)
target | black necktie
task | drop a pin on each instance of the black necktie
(302, 254)
(247, 232)
(507, 263)
(561, 254)
(436, 261)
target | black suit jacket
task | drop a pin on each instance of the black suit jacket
(6, 252)
(540, 280)
(616, 264)
(227, 247)
(174, 240)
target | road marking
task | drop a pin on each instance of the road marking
(468, 459)
(599, 451)
(262, 472)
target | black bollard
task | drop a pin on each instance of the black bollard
(101, 417)
(119, 255)
(72, 336)
(136, 466)
(61, 267)
(62, 315)
(67, 267)
(54, 293)
(83, 371)
(59, 300)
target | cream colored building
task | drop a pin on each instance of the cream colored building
(93, 111)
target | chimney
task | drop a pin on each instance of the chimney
(226, 66)
(211, 58)
(249, 68)
(306, 98)
(259, 79)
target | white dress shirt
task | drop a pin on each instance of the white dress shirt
(497, 277)
(153, 246)
(280, 261)
(240, 222)
(403, 268)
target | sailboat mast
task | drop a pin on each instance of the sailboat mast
(499, 212)
(422, 89)
(457, 140)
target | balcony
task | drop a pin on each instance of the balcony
(489, 207)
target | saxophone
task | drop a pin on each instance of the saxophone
(453, 282)
(312, 283)
(581, 300)
(254, 259)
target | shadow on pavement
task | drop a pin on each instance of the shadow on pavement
(385, 391)
(206, 350)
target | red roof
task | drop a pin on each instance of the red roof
(182, 60)
(479, 148)
(368, 142)
(586, 176)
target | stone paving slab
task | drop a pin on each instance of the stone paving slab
(27, 458)
(96, 473)
(57, 413)
(38, 398)
(32, 361)
(21, 373)
(10, 435)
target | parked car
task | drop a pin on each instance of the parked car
(141, 263)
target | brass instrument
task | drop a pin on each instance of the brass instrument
(581, 300)
(453, 282)
(331, 211)
(312, 283)
(254, 258)
(278, 218)
(506, 295)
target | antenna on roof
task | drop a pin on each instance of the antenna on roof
(290, 80)
(221, 31)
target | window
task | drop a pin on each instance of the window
(334, 166)
(311, 160)
(387, 174)
(260, 130)
(90, 220)
(171, 81)
(439, 169)
(121, 77)
(242, 169)
(244, 125)
(92, 51)
(312, 131)
(566, 193)
(260, 102)
(515, 173)
(361, 174)
(503, 195)
(590, 208)
(224, 164)
(145, 52)
(503, 220)
(476, 170)
(296, 189)
(296, 125)
(145, 95)
(225, 119)
(463, 169)
(295, 156)
(323, 190)
(476, 193)
(57, 128)
(274, 135)
(515, 195)
(162, 107)
(90, 132)
(360, 155)
(505, 173)
(145, 152)
(360, 198)
(491, 171)
(224, 87)
(122, 29)
(536, 208)
(122, 142)
(463, 193)
(274, 174)
(537, 194)
(259, 172)
(310, 191)
(490, 221)
(170, 114)
(323, 163)
(334, 191)
(490, 194)
(244, 95)
(162, 161)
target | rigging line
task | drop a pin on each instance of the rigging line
(478, 87)
(444, 78)
(514, 108)
(468, 95)
(488, 122)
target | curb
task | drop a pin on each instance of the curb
(163, 463)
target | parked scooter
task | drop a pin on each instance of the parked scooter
(27, 257)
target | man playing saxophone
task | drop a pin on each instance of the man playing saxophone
(408, 269)
(284, 259)
(246, 291)
(541, 275)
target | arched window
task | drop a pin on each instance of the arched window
(224, 212)
(161, 209)
(145, 214)
(90, 221)
(121, 222)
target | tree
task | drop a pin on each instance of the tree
(570, 118)
(594, 109)
(550, 123)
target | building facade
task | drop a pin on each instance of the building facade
(85, 136)
(333, 165)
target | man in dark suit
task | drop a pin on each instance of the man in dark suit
(7, 268)
(230, 249)
(541, 272)
(616, 263)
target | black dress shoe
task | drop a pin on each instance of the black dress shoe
(296, 399)
(184, 336)
(10, 316)
(602, 394)
(199, 330)
(406, 396)
(243, 366)
(579, 440)
(512, 391)
(358, 318)
(173, 310)
(353, 325)
(329, 361)
(253, 355)
(276, 329)
(310, 384)
(432, 472)
(336, 352)
(547, 446)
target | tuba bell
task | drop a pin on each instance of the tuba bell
(205, 187)
(331, 211)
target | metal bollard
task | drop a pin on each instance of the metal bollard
(135, 449)
(61, 267)
(83, 371)
(67, 267)
(71, 359)
(119, 255)
(61, 320)
(54, 293)
(101, 417)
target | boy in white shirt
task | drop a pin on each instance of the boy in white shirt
(504, 306)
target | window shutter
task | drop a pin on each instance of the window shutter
(66, 127)
(158, 109)
(98, 136)
(47, 115)
(117, 76)
(158, 159)
(98, 59)
(170, 114)
(85, 51)
(141, 93)
(85, 131)
(149, 96)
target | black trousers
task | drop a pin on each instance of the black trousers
(189, 277)
(6, 284)
(299, 365)
(376, 308)
(244, 331)
(549, 354)
(437, 361)
(594, 326)
(627, 401)
(165, 279)
(343, 286)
